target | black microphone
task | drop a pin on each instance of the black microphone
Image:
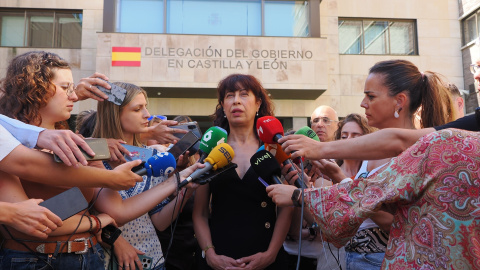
(212, 175)
(266, 166)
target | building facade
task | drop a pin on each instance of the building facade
(305, 53)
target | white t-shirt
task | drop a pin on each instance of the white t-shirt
(7, 143)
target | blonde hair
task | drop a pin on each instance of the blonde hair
(108, 115)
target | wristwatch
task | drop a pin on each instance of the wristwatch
(204, 251)
(312, 231)
(296, 197)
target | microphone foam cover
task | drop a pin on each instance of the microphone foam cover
(161, 164)
(307, 131)
(268, 127)
(220, 156)
(212, 137)
(277, 151)
(265, 165)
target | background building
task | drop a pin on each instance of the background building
(306, 53)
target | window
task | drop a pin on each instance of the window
(214, 17)
(470, 27)
(377, 36)
(40, 28)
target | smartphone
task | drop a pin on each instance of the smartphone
(139, 152)
(146, 261)
(98, 145)
(115, 95)
(67, 203)
(190, 126)
(183, 144)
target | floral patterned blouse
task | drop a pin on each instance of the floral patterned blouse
(432, 189)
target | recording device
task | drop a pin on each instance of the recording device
(269, 129)
(110, 234)
(115, 95)
(283, 158)
(160, 164)
(67, 203)
(98, 145)
(146, 262)
(183, 145)
(307, 131)
(266, 166)
(190, 126)
(211, 138)
(136, 152)
(219, 157)
(212, 175)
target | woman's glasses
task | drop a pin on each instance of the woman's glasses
(70, 88)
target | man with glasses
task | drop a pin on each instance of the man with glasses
(324, 122)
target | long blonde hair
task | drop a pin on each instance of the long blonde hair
(108, 115)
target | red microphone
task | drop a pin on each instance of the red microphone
(269, 129)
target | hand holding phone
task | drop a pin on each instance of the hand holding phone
(98, 145)
(115, 95)
(67, 203)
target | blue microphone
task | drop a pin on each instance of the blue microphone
(160, 164)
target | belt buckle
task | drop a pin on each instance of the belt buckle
(85, 242)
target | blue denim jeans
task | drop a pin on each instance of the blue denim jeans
(21, 260)
(364, 261)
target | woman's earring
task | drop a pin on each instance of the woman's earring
(257, 113)
(396, 115)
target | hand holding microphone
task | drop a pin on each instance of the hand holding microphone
(157, 165)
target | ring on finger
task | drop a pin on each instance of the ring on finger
(127, 265)
(46, 228)
(91, 86)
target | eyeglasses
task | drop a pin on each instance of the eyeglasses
(325, 120)
(474, 68)
(70, 88)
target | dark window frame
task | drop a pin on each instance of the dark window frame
(56, 37)
(389, 24)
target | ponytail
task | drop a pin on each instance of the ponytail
(437, 105)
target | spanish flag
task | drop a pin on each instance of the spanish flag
(126, 56)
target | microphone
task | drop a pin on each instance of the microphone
(211, 175)
(220, 156)
(269, 129)
(265, 166)
(307, 131)
(285, 159)
(160, 164)
(211, 138)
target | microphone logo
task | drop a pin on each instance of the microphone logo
(259, 159)
(260, 130)
(207, 136)
(226, 154)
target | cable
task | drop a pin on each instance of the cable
(301, 217)
(172, 228)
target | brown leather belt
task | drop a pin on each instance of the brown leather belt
(79, 244)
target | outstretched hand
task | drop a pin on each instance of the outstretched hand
(87, 87)
(65, 144)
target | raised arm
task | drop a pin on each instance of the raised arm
(389, 142)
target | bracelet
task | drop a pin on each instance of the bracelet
(204, 251)
(91, 223)
(98, 223)
(177, 175)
